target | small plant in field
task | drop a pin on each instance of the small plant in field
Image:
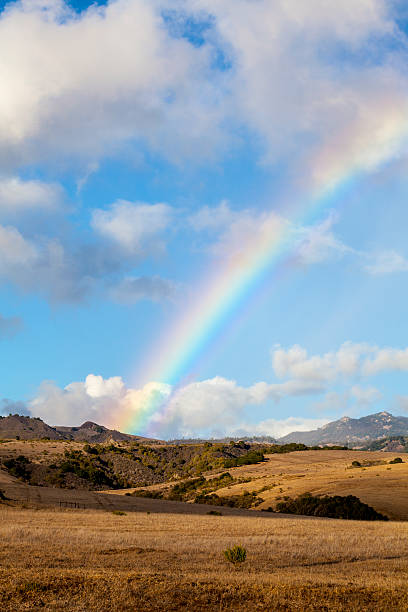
(397, 460)
(214, 513)
(119, 513)
(356, 464)
(235, 555)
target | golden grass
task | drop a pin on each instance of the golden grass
(97, 561)
(384, 486)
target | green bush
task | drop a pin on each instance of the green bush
(144, 493)
(397, 460)
(18, 467)
(246, 500)
(249, 458)
(235, 555)
(356, 464)
(348, 507)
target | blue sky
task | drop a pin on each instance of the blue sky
(146, 150)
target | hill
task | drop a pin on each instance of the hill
(26, 428)
(17, 427)
(97, 434)
(354, 432)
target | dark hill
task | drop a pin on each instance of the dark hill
(92, 432)
(26, 428)
(29, 428)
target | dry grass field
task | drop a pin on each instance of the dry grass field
(95, 560)
(164, 555)
(382, 486)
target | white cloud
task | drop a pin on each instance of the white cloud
(278, 427)
(386, 359)
(387, 262)
(237, 231)
(42, 266)
(84, 84)
(65, 271)
(208, 407)
(133, 226)
(132, 289)
(318, 243)
(351, 360)
(234, 231)
(18, 196)
(323, 85)
(318, 82)
(97, 386)
(105, 401)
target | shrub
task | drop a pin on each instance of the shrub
(348, 507)
(248, 459)
(118, 513)
(245, 500)
(144, 493)
(214, 513)
(356, 464)
(18, 467)
(235, 555)
(397, 460)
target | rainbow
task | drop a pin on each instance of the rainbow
(224, 289)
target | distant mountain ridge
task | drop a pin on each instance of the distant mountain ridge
(30, 428)
(352, 431)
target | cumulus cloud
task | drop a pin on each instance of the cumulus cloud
(84, 84)
(278, 428)
(294, 85)
(42, 266)
(322, 85)
(216, 406)
(386, 359)
(105, 401)
(352, 359)
(132, 289)
(208, 407)
(19, 196)
(295, 362)
(67, 270)
(134, 227)
(236, 231)
(233, 231)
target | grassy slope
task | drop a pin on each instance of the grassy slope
(52, 463)
(328, 472)
(320, 472)
(324, 472)
(96, 561)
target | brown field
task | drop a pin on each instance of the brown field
(164, 555)
(382, 486)
(84, 560)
